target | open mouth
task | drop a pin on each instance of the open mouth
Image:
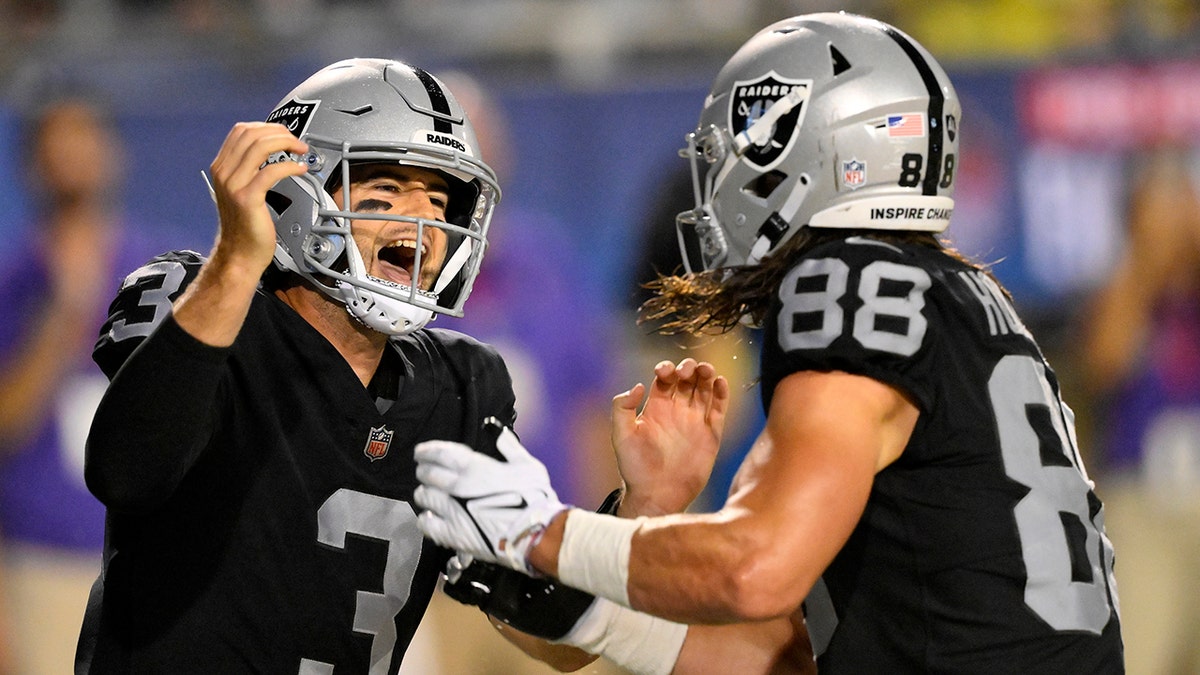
(398, 258)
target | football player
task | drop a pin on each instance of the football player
(254, 447)
(916, 500)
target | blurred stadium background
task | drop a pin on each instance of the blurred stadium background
(600, 93)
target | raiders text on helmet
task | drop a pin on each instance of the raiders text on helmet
(827, 120)
(379, 111)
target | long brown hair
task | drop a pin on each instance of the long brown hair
(715, 301)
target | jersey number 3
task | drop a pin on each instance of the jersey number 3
(389, 520)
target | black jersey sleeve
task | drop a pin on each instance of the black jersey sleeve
(859, 306)
(143, 302)
(158, 410)
(483, 376)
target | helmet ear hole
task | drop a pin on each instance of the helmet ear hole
(464, 197)
(764, 184)
(278, 202)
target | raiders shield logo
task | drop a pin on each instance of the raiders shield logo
(295, 114)
(378, 442)
(752, 98)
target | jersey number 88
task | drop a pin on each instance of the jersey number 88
(1067, 557)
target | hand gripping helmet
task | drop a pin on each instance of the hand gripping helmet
(379, 111)
(827, 120)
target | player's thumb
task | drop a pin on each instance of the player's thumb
(624, 410)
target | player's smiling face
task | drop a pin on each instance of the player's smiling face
(389, 247)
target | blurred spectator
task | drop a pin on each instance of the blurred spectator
(1141, 359)
(55, 285)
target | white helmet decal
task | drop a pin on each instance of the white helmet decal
(756, 106)
(295, 115)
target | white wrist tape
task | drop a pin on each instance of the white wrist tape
(639, 643)
(594, 555)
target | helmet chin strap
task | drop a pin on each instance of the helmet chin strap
(387, 315)
(761, 247)
(379, 312)
(452, 267)
(769, 236)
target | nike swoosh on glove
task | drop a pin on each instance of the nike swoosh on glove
(490, 509)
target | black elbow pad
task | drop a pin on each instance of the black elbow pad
(537, 606)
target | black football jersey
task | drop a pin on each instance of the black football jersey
(982, 548)
(260, 514)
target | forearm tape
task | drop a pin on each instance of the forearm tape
(595, 554)
(639, 643)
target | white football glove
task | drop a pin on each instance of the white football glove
(490, 509)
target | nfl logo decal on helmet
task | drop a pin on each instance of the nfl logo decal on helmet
(854, 174)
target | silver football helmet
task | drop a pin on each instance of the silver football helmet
(824, 120)
(362, 111)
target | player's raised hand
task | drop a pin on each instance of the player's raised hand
(490, 509)
(214, 306)
(666, 453)
(240, 182)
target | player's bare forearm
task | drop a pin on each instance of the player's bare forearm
(799, 493)
(215, 306)
(562, 658)
(775, 647)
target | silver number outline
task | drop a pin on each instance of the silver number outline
(1018, 382)
(173, 273)
(864, 330)
(389, 520)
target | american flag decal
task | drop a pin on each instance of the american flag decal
(378, 443)
(906, 125)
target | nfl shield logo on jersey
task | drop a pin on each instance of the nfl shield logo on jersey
(378, 443)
